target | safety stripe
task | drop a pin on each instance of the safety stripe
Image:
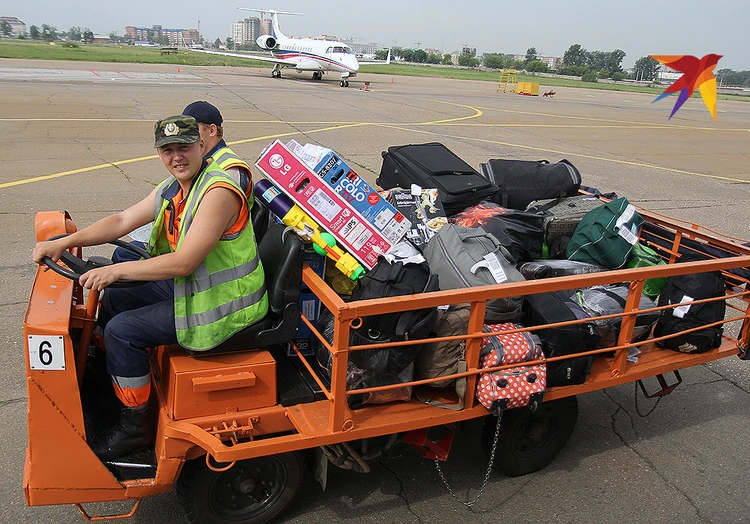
(225, 157)
(158, 202)
(131, 382)
(216, 314)
(132, 391)
(205, 281)
(210, 178)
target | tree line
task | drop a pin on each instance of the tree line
(576, 61)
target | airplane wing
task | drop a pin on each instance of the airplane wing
(249, 57)
(379, 62)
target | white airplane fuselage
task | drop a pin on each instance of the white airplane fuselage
(305, 54)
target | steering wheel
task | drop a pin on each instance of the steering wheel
(78, 266)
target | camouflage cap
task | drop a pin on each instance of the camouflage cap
(179, 129)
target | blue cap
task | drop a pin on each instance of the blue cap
(204, 113)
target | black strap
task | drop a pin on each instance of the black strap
(550, 205)
(617, 298)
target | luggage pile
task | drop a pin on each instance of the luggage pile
(509, 222)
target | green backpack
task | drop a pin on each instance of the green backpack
(644, 256)
(606, 235)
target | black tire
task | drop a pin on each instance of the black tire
(530, 440)
(253, 491)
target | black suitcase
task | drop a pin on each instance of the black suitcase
(434, 165)
(520, 182)
(550, 308)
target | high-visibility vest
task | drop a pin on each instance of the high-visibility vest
(225, 158)
(226, 292)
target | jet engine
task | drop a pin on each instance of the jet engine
(266, 42)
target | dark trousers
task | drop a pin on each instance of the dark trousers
(135, 319)
(121, 254)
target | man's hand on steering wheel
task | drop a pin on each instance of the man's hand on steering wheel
(94, 273)
(48, 248)
(99, 278)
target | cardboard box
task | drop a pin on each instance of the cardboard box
(356, 191)
(309, 305)
(355, 234)
(423, 209)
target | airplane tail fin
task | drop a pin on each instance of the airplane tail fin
(388, 58)
(274, 19)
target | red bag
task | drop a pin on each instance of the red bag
(513, 387)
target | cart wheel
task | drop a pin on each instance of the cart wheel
(530, 440)
(253, 491)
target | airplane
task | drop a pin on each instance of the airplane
(304, 54)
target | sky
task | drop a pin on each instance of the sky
(638, 27)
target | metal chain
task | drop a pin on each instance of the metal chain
(486, 476)
(638, 409)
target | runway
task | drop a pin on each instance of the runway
(79, 136)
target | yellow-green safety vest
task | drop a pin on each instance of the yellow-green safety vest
(226, 292)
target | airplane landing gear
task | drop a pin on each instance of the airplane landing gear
(317, 75)
(276, 72)
(344, 83)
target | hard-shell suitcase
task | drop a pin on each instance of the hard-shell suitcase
(513, 387)
(434, 165)
(550, 308)
(562, 215)
(522, 181)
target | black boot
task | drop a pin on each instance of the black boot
(131, 433)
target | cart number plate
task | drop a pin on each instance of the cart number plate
(46, 352)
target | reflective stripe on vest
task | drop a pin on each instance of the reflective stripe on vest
(226, 158)
(226, 292)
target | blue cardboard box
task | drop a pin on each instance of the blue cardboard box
(309, 306)
(392, 224)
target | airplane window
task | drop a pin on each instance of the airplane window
(329, 50)
(347, 51)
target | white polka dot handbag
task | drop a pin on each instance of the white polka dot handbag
(513, 387)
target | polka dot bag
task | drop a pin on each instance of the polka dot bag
(513, 387)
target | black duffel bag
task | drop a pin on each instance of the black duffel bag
(520, 182)
(681, 288)
(521, 233)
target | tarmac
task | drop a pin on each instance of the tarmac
(79, 136)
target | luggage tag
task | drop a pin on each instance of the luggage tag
(492, 263)
(681, 311)
(630, 236)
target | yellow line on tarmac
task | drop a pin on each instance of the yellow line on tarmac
(477, 114)
(75, 171)
(581, 126)
(140, 120)
(548, 115)
(151, 157)
(567, 153)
